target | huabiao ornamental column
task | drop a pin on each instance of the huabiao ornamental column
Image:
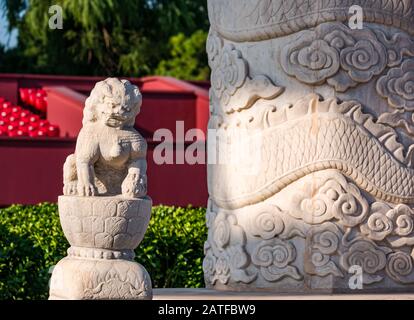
(105, 211)
(328, 204)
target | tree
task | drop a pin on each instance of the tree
(99, 37)
(8, 59)
(187, 59)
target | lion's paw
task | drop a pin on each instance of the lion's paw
(134, 186)
(70, 188)
(86, 189)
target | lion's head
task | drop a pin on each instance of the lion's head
(113, 102)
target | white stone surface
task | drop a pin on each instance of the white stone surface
(110, 156)
(105, 211)
(315, 133)
(92, 279)
(111, 223)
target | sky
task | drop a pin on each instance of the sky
(4, 35)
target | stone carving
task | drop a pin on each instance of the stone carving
(95, 279)
(225, 251)
(267, 224)
(267, 221)
(396, 225)
(274, 257)
(214, 47)
(230, 78)
(247, 20)
(110, 154)
(328, 185)
(378, 226)
(400, 267)
(311, 63)
(336, 198)
(342, 137)
(230, 74)
(322, 242)
(368, 256)
(342, 57)
(331, 248)
(111, 224)
(399, 119)
(105, 211)
(398, 86)
(363, 60)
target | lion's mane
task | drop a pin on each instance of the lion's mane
(116, 90)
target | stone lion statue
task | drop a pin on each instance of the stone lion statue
(110, 155)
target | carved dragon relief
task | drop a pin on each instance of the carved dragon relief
(330, 185)
(311, 136)
(328, 215)
(343, 58)
(353, 231)
(247, 20)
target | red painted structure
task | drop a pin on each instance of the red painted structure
(31, 169)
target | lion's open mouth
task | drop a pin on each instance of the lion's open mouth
(115, 120)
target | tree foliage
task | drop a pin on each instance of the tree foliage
(32, 242)
(100, 37)
(188, 59)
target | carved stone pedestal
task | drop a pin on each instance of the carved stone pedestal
(318, 194)
(102, 232)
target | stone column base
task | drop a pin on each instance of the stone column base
(87, 279)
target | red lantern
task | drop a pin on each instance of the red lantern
(34, 119)
(53, 131)
(42, 133)
(41, 104)
(43, 124)
(16, 111)
(22, 132)
(6, 105)
(11, 127)
(13, 120)
(41, 93)
(12, 134)
(24, 94)
(25, 114)
(32, 97)
(23, 122)
(32, 134)
(32, 127)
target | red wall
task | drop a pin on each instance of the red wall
(31, 172)
(65, 108)
(159, 110)
(31, 169)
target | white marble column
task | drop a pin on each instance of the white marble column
(319, 194)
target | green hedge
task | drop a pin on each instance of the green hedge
(32, 241)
